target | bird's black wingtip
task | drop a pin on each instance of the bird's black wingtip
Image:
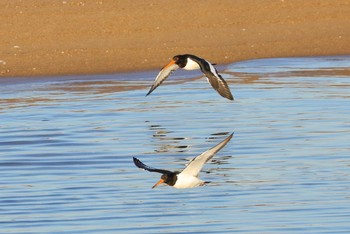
(150, 91)
(230, 136)
(230, 97)
(227, 96)
(136, 161)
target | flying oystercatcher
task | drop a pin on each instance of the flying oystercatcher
(188, 177)
(192, 62)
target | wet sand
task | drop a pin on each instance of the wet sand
(93, 37)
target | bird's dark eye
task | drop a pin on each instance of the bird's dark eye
(176, 58)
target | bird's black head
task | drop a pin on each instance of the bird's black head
(169, 179)
(180, 60)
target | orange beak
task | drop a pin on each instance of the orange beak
(170, 63)
(161, 181)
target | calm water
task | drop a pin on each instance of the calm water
(67, 143)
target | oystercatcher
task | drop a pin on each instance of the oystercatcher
(192, 62)
(188, 178)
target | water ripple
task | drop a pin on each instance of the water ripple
(67, 144)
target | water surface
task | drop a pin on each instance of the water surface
(66, 146)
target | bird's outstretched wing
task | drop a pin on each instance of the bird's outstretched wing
(196, 164)
(163, 74)
(141, 165)
(220, 85)
(214, 78)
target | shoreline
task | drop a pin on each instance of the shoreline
(104, 37)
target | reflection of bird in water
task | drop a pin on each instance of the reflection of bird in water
(168, 143)
(188, 178)
(192, 62)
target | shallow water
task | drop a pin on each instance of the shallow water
(67, 143)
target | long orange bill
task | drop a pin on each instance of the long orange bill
(169, 64)
(158, 183)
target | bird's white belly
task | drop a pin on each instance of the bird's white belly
(191, 65)
(187, 181)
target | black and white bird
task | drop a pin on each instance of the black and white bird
(192, 62)
(188, 177)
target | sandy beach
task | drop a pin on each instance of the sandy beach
(95, 37)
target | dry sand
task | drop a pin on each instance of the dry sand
(100, 36)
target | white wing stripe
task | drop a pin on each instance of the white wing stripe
(212, 69)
